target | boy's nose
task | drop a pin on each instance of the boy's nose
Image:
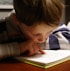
(41, 40)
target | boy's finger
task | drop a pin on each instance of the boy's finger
(41, 51)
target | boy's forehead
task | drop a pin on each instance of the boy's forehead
(43, 28)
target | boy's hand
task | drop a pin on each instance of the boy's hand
(31, 47)
(24, 29)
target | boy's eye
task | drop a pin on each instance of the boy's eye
(37, 34)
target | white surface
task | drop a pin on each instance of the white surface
(50, 56)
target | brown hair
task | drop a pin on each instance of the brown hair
(31, 11)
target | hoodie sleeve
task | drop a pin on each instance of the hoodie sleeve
(7, 49)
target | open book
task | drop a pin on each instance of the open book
(49, 59)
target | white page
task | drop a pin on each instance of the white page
(50, 56)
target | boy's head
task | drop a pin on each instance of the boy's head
(37, 16)
(32, 11)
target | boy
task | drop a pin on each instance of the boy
(30, 26)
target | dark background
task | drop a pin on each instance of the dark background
(67, 11)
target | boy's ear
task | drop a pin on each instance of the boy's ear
(16, 20)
